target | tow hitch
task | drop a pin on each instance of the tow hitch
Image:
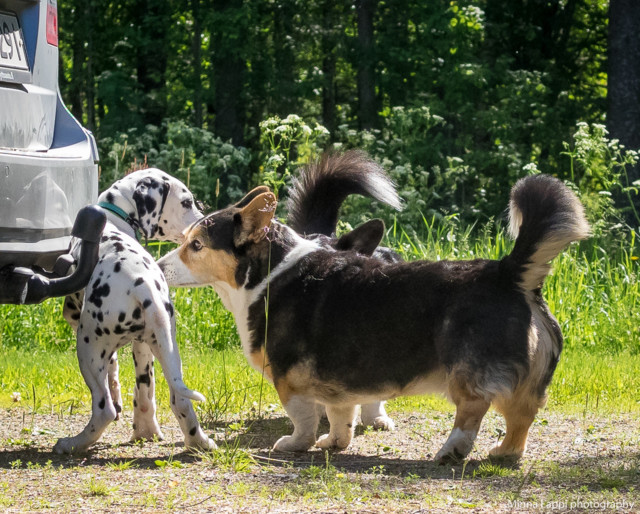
(22, 285)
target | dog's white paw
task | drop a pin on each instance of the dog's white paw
(67, 445)
(150, 432)
(289, 443)
(329, 442)
(374, 415)
(384, 423)
(200, 442)
(458, 446)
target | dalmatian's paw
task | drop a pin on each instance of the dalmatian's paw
(149, 431)
(200, 441)
(68, 445)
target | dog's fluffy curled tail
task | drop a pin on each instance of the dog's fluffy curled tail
(316, 197)
(545, 217)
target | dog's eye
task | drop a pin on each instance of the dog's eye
(196, 245)
(187, 204)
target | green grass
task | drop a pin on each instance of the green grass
(594, 292)
(51, 382)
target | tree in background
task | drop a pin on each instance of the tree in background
(229, 32)
(456, 97)
(366, 60)
(623, 92)
(330, 40)
(151, 19)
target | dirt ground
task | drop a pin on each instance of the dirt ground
(574, 463)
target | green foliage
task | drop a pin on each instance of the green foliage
(469, 93)
(598, 168)
(400, 147)
(36, 327)
(202, 321)
(216, 172)
(99, 487)
(286, 145)
(230, 457)
(489, 469)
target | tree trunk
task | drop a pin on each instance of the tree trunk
(328, 67)
(367, 111)
(623, 93)
(286, 98)
(88, 76)
(197, 63)
(228, 75)
(152, 58)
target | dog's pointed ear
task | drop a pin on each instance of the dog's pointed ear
(251, 195)
(363, 239)
(252, 222)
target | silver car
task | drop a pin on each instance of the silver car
(48, 161)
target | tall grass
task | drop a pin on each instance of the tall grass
(594, 292)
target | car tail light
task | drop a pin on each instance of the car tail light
(52, 23)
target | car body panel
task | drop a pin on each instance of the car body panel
(28, 102)
(48, 161)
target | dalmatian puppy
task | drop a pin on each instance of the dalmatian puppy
(127, 300)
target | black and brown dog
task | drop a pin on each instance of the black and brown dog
(315, 199)
(344, 329)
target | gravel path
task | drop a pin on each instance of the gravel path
(574, 463)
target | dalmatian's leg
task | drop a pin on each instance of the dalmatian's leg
(145, 424)
(71, 310)
(94, 370)
(165, 349)
(114, 384)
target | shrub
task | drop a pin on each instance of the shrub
(216, 171)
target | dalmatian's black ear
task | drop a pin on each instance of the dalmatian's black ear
(149, 196)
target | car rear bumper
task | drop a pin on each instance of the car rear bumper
(23, 285)
(41, 193)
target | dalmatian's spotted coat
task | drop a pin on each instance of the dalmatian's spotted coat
(127, 300)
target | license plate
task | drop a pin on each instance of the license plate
(12, 49)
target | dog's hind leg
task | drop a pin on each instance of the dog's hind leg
(519, 412)
(194, 436)
(114, 383)
(71, 310)
(374, 415)
(470, 409)
(165, 349)
(342, 420)
(94, 371)
(145, 424)
(303, 413)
